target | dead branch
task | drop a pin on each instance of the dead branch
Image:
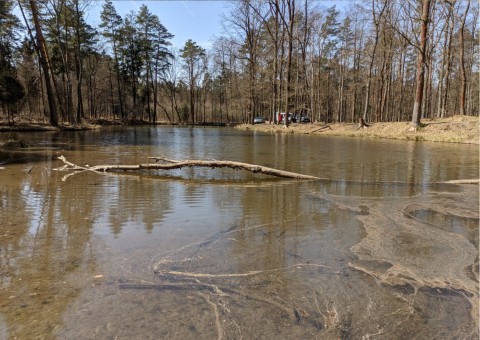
(171, 164)
(463, 181)
(321, 128)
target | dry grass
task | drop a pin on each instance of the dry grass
(456, 129)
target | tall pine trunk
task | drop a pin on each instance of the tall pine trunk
(41, 45)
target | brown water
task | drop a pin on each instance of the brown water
(379, 249)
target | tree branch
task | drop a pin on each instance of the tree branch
(170, 164)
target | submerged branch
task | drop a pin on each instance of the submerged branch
(171, 164)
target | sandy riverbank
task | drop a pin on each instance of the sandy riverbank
(456, 129)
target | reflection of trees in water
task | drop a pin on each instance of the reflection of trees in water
(47, 242)
(147, 202)
(47, 237)
(467, 226)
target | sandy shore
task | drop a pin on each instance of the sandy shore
(456, 129)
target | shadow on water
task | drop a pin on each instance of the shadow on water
(34, 147)
(25, 157)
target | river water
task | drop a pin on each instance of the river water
(378, 248)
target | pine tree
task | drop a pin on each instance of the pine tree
(71, 39)
(11, 92)
(111, 23)
(153, 44)
(192, 55)
(131, 63)
(9, 24)
(43, 56)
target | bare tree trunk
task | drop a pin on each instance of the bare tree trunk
(79, 66)
(385, 95)
(376, 21)
(111, 91)
(275, 68)
(65, 101)
(341, 86)
(420, 83)
(117, 70)
(379, 106)
(41, 45)
(403, 57)
(148, 88)
(192, 97)
(305, 44)
(445, 54)
(463, 87)
(428, 90)
(472, 102)
(155, 91)
(447, 76)
(288, 85)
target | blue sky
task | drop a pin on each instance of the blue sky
(196, 20)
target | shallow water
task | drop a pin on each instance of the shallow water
(377, 248)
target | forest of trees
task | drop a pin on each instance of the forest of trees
(383, 60)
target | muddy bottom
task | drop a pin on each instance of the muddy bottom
(340, 268)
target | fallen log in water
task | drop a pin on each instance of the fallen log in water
(170, 164)
(463, 181)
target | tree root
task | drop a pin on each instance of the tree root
(362, 124)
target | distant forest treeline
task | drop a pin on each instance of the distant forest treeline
(383, 60)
